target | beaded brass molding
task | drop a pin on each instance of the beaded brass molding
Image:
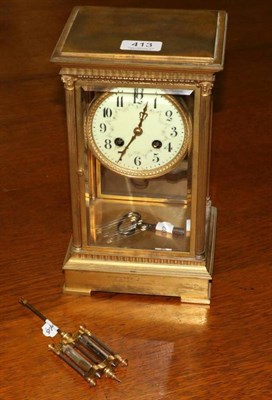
(140, 260)
(112, 76)
(206, 85)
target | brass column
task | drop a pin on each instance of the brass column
(203, 165)
(69, 85)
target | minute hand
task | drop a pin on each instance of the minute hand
(137, 132)
(122, 153)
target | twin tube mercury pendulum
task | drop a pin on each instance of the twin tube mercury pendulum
(82, 351)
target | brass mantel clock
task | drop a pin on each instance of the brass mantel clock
(138, 88)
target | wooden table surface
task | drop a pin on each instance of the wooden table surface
(175, 351)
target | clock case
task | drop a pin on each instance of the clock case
(98, 257)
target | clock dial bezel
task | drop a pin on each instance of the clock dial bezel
(139, 173)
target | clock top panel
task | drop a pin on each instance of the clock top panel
(107, 36)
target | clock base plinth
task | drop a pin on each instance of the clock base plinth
(189, 280)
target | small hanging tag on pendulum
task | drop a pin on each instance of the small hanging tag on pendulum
(81, 350)
(49, 329)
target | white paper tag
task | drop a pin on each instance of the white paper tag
(49, 329)
(165, 227)
(140, 45)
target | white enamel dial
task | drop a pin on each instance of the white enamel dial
(138, 134)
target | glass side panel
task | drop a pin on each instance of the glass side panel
(173, 186)
(133, 225)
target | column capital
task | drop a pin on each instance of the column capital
(68, 82)
(206, 88)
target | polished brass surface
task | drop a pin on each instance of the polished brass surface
(175, 351)
(192, 37)
(186, 278)
(151, 262)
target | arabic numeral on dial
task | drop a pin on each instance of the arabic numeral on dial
(174, 131)
(107, 112)
(138, 161)
(120, 101)
(169, 115)
(169, 147)
(103, 127)
(138, 96)
(108, 144)
(155, 158)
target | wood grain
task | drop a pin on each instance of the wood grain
(175, 351)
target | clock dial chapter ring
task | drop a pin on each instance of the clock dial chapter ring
(160, 127)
